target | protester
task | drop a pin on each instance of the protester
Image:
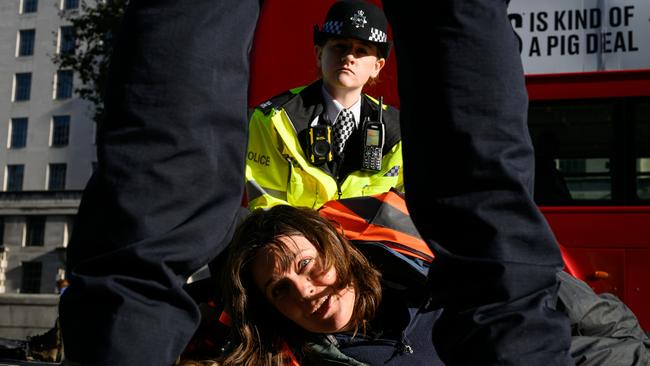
(328, 140)
(297, 289)
(291, 277)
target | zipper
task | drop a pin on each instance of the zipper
(290, 163)
(338, 186)
(408, 249)
(336, 173)
(401, 347)
(406, 348)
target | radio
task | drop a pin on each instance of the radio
(373, 141)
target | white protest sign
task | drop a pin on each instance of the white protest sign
(558, 36)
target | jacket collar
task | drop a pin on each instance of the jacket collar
(308, 104)
(305, 106)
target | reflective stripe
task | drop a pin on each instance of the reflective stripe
(382, 218)
(281, 195)
(254, 190)
(393, 172)
(375, 211)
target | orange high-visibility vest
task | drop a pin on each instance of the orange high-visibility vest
(381, 218)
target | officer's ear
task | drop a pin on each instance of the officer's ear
(379, 64)
(318, 52)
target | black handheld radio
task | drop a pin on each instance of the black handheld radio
(373, 141)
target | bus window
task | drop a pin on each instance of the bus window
(642, 114)
(587, 178)
(574, 150)
(594, 151)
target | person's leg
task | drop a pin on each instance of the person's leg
(169, 180)
(468, 164)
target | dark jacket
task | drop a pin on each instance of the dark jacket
(400, 333)
(604, 330)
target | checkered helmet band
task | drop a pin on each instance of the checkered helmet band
(333, 27)
(377, 35)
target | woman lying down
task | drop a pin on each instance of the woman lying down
(299, 293)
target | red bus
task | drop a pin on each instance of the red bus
(591, 131)
(588, 78)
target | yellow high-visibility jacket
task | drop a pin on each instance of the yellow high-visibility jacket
(279, 172)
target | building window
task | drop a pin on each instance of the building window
(60, 130)
(2, 233)
(67, 230)
(35, 231)
(18, 134)
(64, 84)
(15, 177)
(31, 280)
(56, 177)
(26, 42)
(30, 6)
(67, 39)
(70, 4)
(22, 86)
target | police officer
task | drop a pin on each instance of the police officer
(496, 258)
(148, 216)
(328, 140)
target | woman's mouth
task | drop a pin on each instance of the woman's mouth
(322, 306)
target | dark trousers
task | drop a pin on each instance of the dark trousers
(169, 180)
(468, 164)
(171, 160)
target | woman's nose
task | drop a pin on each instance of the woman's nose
(304, 288)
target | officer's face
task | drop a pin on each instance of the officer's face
(305, 293)
(347, 64)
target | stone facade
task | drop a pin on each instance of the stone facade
(38, 201)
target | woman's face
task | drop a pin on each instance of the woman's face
(348, 63)
(305, 293)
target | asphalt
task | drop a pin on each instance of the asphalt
(5, 362)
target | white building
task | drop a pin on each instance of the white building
(47, 150)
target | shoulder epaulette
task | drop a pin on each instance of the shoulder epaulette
(278, 100)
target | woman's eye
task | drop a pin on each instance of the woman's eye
(304, 263)
(278, 290)
(363, 51)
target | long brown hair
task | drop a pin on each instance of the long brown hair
(259, 330)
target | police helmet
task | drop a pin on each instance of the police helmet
(356, 19)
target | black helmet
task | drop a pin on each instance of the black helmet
(356, 19)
